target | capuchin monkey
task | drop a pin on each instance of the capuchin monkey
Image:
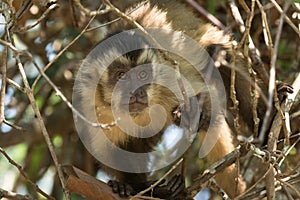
(146, 83)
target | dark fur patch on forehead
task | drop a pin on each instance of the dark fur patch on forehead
(130, 41)
(124, 50)
(134, 55)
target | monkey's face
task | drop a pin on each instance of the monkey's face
(127, 83)
(130, 91)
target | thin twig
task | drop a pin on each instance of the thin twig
(44, 15)
(295, 115)
(14, 196)
(209, 16)
(15, 84)
(3, 85)
(288, 194)
(13, 125)
(131, 21)
(246, 34)
(103, 25)
(88, 12)
(288, 20)
(23, 173)
(12, 47)
(244, 6)
(117, 19)
(233, 98)
(25, 6)
(73, 14)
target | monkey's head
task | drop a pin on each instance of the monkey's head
(127, 77)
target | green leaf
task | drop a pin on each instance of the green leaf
(293, 151)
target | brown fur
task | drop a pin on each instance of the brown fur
(175, 16)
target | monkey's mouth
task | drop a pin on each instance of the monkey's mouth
(137, 107)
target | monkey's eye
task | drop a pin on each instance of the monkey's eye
(121, 75)
(143, 75)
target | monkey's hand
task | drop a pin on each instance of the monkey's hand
(123, 189)
(188, 117)
(174, 189)
(283, 89)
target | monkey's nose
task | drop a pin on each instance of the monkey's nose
(139, 95)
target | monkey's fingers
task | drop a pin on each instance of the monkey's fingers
(176, 185)
(123, 189)
(283, 89)
(172, 189)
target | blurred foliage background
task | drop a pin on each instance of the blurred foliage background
(57, 43)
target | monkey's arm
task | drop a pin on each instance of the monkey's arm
(217, 143)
